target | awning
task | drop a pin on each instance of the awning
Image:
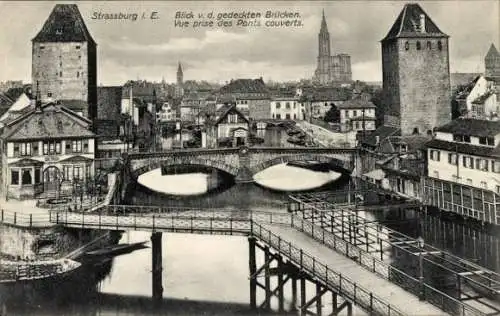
(376, 174)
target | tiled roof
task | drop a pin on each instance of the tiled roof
(109, 101)
(330, 94)
(472, 127)
(74, 105)
(226, 109)
(483, 97)
(245, 86)
(357, 103)
(465, 148)
(53, 121)
(413, 142)
(382, 132)
(408, 22)
(65, 24)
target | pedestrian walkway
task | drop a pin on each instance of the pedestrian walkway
(384, 289)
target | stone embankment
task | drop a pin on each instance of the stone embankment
(30, 244)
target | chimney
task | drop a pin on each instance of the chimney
(422, 23)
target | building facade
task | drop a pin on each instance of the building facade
(357, 114)
(330, 69)
(64, 61)
(230, 128)
(416, 76)
(466, 151)
(49, 149)
(249, 93)
(287, 108)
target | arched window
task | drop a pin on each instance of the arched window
(418, 45)
(407, 46)
(429, 45)
(440, 45)
(415, 131)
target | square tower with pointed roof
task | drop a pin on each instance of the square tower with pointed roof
(64, 61)
(416, 73)
(492, 63)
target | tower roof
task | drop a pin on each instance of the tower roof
(65, 24)
(324, 27)
(408, 24)
(492, 52)
(179, 68)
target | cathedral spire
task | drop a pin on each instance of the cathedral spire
(324, 27)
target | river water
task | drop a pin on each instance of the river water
(208, 275)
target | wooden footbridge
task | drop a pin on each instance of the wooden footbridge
(297, 248)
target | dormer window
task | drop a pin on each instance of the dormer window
(461, 138)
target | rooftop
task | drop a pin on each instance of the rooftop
(51, 121)
(382, 132)
(245, 86)
(408, 24)
(357, 103)
(472, 127)
(65, 24)
(492, 52)
(465, 148)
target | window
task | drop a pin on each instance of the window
(35, 148)
(78, 74)
(67, 173)
(484, 185)
(440, 45)
(482, 164)
(435, 155)
(42, 47)
(51, 147)
(60, 73)
(469, 182)
(294, 116)
(77, 146)
(436, 174)
(287, 116)
(490, 141)
(468, 162)
(407, 46)
(278, 116)
(497, 189)
(77, 172)
(25, 149)
(429, 45)
(354, 113)
(278, 105)
(77, 47)
(418, 45)
(85, 146)
(26, 178)
(14, 177)
(287, 105)
(461, 138)
(49, 94)
(452, 159)
(415, 131)
(37, 175)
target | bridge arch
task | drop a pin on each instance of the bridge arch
(322, 158)
(182, 160)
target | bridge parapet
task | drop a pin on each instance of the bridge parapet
(241, 162)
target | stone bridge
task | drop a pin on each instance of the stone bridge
(244, 162)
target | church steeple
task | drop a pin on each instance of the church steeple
(324, 27)
(180, 75)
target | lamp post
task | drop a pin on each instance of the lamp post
(421, 245)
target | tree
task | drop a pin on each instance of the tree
(333, 114)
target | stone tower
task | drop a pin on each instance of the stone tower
(323, 70)
(492, 63)
(416, 73)
(64, 61)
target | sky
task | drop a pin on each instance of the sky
(151, 48)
